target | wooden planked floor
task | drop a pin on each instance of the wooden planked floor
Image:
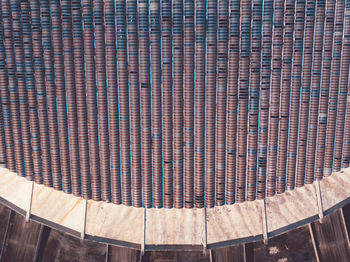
(175, 256)
(21, 239)
(63, 247)
(4, 219)
(294, 246)
(331, 239)
(121, 254)
(234, 254)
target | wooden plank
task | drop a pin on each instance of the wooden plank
(174, 226)
(21, 240)
(175, 256)
(5, 233)
(63, 247)
(314, 244)
(264, 222)
(122, 254)
(319, 200)
(346, 216)
(42, 240)
(28, 213)
(4, 221)
(57, 207)
(294, 246)
(228, 254)
(248, 252)
(331, 239)
(143, 240)
(15, 189)
(107, 257)
(106, 220)
(82, 233)
(346, 231)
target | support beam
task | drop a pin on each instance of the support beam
(143, 240)
(264, 224)
(346, 231)
(10, 216)
(330, 238)
(319, 200)
(346, 220)
(141, 256)
(249, 252)
(205, 234)
(312, 234)
(82, 235)
(228, 254)
(121, 254)
(21, 239)
(30, 202)
(107, 253)
(42, 240)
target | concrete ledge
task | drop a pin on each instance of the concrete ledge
(174, 226)
(291, 207)
(236, 221)
(335, 188)
(171, 229)
(15, 189)
(116, 222)
(63, 209)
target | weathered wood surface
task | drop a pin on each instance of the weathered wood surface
(294, 246)
(156, 228)
(346, 215)
(249, 252)
(21, 239)
(4, 219)
(41, 243)
(331, 239)
(233, 254)
(176, 256)
(122, 254)
(63, 247)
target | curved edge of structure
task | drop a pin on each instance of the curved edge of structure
(169, 229)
